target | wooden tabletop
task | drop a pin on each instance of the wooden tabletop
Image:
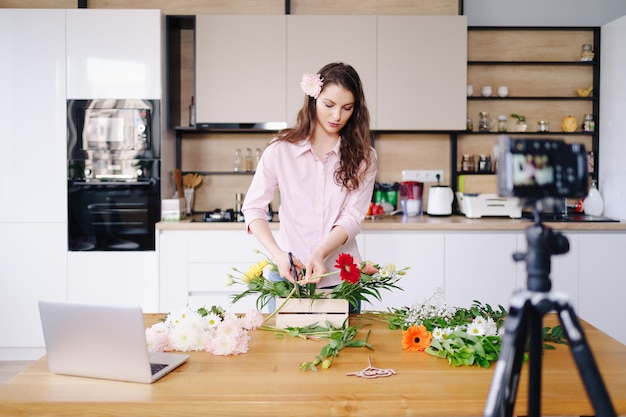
(266, 381)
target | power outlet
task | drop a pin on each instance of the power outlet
(422, 175)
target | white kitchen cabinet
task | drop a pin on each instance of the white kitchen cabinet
(479, 266)
(32, 268)
(240, 69)
(564, 274)
(32, 116)
(114, 54)
(113, 278)
(476, 265)
(613, 105)
(602, 282)
(194, 265)
(33, 219)
(423, 253)
(314, 41)
(422, 72)
(413, 68)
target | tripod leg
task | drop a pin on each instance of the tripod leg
(535, 354)
(503, 390)
(587, 367)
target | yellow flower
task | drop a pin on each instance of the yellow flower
(255, 271)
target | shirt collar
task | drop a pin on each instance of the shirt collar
(305, 146)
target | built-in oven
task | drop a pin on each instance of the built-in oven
(114, 181)
(112, 216)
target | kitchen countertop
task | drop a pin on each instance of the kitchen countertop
(425, 222)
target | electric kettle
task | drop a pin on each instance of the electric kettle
(440, 198)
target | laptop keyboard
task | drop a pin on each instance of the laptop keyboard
(156, 367)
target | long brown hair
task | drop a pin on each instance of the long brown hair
(355, 135)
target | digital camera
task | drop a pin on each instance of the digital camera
(539, 168)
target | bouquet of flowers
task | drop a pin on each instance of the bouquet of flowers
(213, 330)
(463, 336)
(358, 282)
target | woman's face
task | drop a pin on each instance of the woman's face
(334, 107)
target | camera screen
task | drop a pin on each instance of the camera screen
(532, 170)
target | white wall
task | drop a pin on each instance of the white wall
(542, 13)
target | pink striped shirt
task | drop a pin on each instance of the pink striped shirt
(311, 203)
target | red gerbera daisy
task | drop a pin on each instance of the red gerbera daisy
(416, 338)
(348, 270)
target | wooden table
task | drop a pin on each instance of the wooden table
(266, 381)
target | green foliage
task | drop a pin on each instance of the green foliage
(338, 339)
(461, 348)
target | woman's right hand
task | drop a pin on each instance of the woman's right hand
(284, 266)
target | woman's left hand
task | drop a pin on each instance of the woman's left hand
(315, 268)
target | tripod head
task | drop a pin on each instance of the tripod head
(543, 242)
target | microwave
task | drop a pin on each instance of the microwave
(116, 130)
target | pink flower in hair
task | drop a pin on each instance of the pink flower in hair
(311, 84)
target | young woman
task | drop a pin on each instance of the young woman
(324, 169)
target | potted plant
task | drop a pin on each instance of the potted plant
(521, 125)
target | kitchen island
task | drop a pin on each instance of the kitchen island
(266, 381)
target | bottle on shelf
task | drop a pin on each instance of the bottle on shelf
(237, 160)
(248, 160)
(593, 203)
(502, 123)
(484, 124)
(192, 112)
(589, 125)
(257, 157)
(238, 205)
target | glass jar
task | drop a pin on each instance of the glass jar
(237, 160)
(589, 125)
(502, 123)
(586, 53)
(543, 126)
(483, 122)
(248, 160)
(468, 163)
(484, 163)
(469, 124)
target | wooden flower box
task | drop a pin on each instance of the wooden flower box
(300, 312)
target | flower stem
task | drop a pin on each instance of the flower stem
(293, 290)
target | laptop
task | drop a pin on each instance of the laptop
(107, 342)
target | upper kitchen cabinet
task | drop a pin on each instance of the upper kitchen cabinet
(314, 41)
(240, 69)
(32, 116)
(422, 72)
(114, 54)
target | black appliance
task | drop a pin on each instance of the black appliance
(114, 174)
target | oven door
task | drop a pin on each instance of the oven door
(112, 216)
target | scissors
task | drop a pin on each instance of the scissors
(294, 272)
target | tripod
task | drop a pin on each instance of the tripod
(525, 318)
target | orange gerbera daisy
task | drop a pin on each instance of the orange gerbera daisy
(416, 338)
(348, 270)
